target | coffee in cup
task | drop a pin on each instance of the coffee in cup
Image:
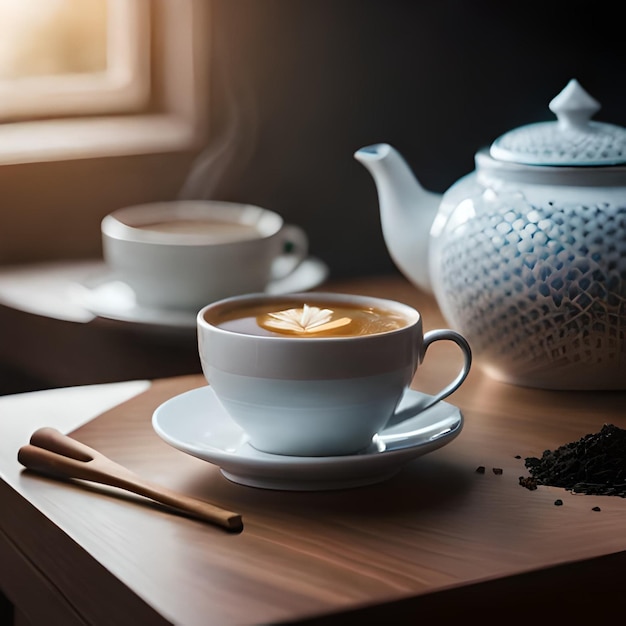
(316, 374)
(183, 254)
(295, 318)
(216, 230)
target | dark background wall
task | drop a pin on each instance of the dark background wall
(299, 85)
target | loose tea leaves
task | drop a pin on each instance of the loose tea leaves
(529, 482)
(593, 465)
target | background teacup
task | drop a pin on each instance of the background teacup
(183, 254)
(320, 379)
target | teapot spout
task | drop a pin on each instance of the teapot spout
(407, 211)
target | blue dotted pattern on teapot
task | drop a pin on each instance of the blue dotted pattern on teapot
(538, 287)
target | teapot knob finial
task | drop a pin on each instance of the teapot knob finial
(574, 106)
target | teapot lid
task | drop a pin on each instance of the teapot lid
(572, 140)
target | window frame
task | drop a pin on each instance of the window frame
(174, 118)
(123, 87)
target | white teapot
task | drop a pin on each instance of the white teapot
(526, 255)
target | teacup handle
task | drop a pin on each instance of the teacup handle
(296, 249)
(445, 334)
(430, 337)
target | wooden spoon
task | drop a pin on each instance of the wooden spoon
(54, 454)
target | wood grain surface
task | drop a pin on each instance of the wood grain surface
(437, 525)
(439, 540)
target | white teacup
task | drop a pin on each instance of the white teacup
(183, 254)
(320, 379)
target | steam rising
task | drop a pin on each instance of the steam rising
(216, 169)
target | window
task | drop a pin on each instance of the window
(63, 57)
(84, 78)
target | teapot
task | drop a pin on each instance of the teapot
(525, 255)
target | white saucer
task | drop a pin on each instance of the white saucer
(196, 423)
(106, 296)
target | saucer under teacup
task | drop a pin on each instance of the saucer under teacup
(195, 423)
(106, 295)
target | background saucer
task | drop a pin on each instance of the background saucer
(106, 296)
(195, 423)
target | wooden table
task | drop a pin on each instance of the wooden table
(439, 541)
